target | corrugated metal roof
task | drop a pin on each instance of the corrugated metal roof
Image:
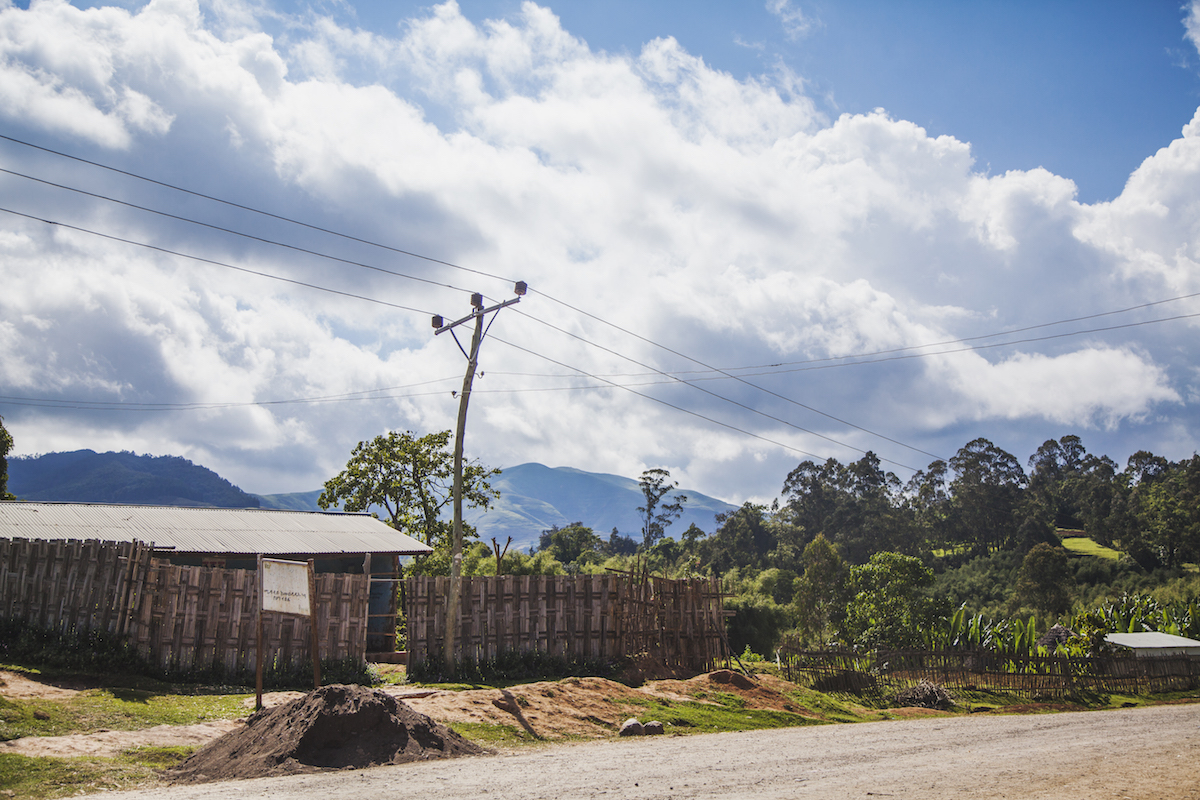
(207, 530)
(1151, 639)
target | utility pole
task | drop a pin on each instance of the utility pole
(478, 313)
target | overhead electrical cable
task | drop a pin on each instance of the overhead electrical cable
(253, 210)
(661, 401)
(213, 262)
(739, 380)
(232, 232)
(128, 405)
(727, 372)
(425, 280)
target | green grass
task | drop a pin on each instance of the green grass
(113, 709)
(487, 734)
(1084, 546)
(37, 778)
(832, 707)
(687, 717)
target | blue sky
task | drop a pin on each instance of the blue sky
(809, 196)
(1085, 89)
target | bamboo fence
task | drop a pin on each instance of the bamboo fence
(175, 616)
(586, 617)
(1016, 673)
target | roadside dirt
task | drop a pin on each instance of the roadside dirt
(572, 708)
(18, 686)
(1135, 753)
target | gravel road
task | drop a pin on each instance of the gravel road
(1129, 753)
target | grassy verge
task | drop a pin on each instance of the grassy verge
(37, 778)
(113, 709)
(728, 714)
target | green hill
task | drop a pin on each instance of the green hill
(85, 476)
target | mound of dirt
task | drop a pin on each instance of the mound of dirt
(587, 708)
(334, 727)
(764, 692)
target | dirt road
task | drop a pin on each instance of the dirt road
(1129, 753)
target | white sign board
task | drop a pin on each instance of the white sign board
(285, 586)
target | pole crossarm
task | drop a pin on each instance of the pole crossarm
(479, 312)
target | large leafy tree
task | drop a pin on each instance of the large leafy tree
(6, 446)
(986, 496)
(661, 509)
(573, 545)
(889, 606)
(1170, 513)
(411, 478)
(819, 595)
(1045, 579)
(857, 506)
(744, 539)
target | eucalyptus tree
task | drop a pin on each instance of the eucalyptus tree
(986, 496)
(661, 509)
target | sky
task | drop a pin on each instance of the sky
(754, 233)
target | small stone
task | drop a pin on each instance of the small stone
(631, 727)
(654, 728)
(42, 715)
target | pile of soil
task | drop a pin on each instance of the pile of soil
(334, 727)
(764, 692)
(576, 708)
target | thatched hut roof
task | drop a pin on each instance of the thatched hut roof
(1057, 635)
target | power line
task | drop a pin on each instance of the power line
(253, 210)
(665, 403)
(432, 260)
(731, 401)
(232, 232)
(213, 262)
(125, 405)
(727, 372)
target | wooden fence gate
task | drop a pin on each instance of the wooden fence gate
(585, 617)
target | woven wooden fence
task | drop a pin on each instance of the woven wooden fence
(1016, 673)
(585, 617)
(178, 617)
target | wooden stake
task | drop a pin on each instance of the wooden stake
(258, 642)
(312, 622)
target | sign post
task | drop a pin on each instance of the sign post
(286, 587)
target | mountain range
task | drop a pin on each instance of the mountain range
(533, 497)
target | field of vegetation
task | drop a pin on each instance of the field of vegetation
(849, 556)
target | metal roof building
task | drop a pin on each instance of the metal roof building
(1149, 643)
(217, 532)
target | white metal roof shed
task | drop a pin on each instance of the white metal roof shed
(224, 531)
(1150, 643)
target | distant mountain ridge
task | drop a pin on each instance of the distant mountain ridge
(85, 476)
(533, 497)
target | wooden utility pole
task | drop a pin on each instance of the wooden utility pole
(477, 314)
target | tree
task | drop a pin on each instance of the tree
(410, 478)
(1169, 511)
(820, 593)
(985, 495)
(1045, 579)
(857, 506)
(571, 544)
(6, 446)
(743, 539)
(889, 607)
(656, 485)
